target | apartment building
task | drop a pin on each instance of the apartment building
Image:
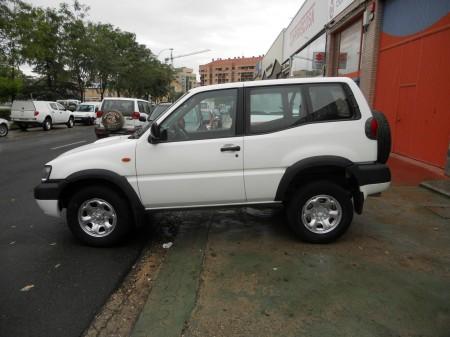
(236, 69)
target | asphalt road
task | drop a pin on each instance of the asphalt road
(70, 282)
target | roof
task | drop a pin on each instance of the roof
(262, 83)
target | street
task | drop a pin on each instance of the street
(50, 285)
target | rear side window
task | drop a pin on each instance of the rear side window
(142, 106)
(126, 107)
(275, 108)
(54, 106)
(329, 102)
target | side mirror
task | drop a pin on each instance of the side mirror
(156, 135)
(142, 119)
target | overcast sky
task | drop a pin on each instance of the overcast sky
(229, 27)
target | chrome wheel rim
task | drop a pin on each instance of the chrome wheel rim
(321, 214)
(97, 217)
(3, 130)
(71, 122)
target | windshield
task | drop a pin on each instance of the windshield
(85, 108)
(139, 132)
(158, 110)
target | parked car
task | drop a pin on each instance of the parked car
(319, 151)
(4, 127)
(86, 112)
(158, 110)
(120, 115)
(40, 113)
(69, 104)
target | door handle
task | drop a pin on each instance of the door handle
(230, 147)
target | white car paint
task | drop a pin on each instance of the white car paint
(86, 111)
(35, 112)
(197, 173)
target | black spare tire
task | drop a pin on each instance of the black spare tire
(383, 137)
(112, 120)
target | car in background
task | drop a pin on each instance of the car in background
(121, 115)
(4, 127)
(69, 104)
(158, 110)
(40, 113)
(86, 112)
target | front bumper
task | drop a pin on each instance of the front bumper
(47, 196)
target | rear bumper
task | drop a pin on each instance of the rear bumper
(371, 178)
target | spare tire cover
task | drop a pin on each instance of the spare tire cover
(383, 137)
(112, 120)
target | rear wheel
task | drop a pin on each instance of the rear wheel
(70, 123)
(3, 130)
(99, 216)
(320, 212)
(47, 125)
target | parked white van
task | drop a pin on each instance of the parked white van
(86, 112)
(40, 113)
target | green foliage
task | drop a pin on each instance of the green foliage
(71, 53)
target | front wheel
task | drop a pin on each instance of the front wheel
(70, 123)
(320, 212)
(99, 216)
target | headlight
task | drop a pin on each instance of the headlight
(46, 173)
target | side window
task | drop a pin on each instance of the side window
(54, 106)
(203, 116)
(329, 102)
(141, 106)
(275, 108)
(60, 106)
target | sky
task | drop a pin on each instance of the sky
(228, 28)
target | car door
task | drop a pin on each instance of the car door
(55, 113)
(200, 162)
(63, 113)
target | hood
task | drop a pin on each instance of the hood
(101, 143)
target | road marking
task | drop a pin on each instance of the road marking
(59, 147)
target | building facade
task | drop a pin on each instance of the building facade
(185, 79)
(237, 69)
(398, 51)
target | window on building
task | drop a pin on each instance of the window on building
(310, 61)
(349, 50)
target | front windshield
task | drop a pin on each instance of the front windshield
(85, 108)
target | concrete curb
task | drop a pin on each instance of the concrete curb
(438, 186)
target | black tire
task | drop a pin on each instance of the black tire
(3, 130)
(22, 126)
(301, 198)
(47, 125)
(120, 206)
(70, 124)
(383, 137)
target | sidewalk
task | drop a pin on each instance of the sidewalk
(243, 273)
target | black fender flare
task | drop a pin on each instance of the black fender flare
(112, 178)
(306, 164)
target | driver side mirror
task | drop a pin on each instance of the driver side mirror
(142, 119)
(156, 135)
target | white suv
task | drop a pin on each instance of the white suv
(40, 113)
(312, 145)
(134, 111)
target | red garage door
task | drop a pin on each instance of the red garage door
(413, 77)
